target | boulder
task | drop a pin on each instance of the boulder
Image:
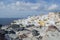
(35, 32)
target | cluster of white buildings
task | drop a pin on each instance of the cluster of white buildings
(43, 20)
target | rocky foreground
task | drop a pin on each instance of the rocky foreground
(41, 27)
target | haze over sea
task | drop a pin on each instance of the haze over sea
(7, 21)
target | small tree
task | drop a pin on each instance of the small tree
(0, 26)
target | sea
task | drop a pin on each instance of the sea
(7, 21)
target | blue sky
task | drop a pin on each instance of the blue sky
(23, 8)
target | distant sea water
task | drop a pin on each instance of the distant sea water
(7, 21)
